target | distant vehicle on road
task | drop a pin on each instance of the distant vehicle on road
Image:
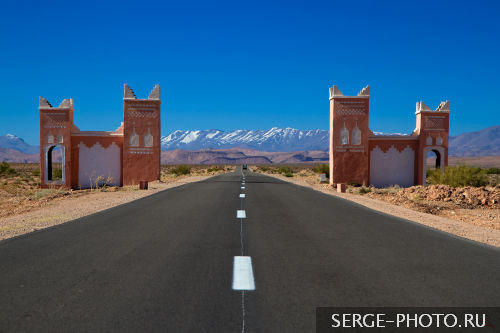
(244, 166)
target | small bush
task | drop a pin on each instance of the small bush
(459, 176)
(215, 169)
(364, 190)
(57, 174)
(36, 172)
(42, 194)
(5, 169)
(285, 170)
(492, 171)
(181, 170)
(428, 172)
(355, 184)
(264, 169)
(322, 168)
(288, 174)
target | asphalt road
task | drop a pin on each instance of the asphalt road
(165, 263)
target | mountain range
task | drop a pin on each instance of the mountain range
(276, 145)
(274, 139)
(485, 142)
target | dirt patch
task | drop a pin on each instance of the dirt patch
(472, 213)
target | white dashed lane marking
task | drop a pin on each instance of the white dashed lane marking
(242, 195)
(243, 187)
(243, 273)
(241, 214)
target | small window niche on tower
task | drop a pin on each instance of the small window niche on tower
(134, 139)
(356, 135)
(148, 139)
(344, 135)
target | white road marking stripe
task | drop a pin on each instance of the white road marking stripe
(241, 214)
(243, 187)
(243, 273)
(242, 195)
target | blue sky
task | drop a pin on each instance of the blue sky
(249, 65)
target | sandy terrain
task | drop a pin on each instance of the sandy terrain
(479, 224)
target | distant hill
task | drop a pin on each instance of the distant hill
(13, 142)
(485, 142)
(14, 156)
(239, 156)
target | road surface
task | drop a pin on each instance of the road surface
(164, 263)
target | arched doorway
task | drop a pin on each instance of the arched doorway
(54, 164)
(432, 160)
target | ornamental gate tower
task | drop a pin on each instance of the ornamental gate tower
(357, 155)
(349, 137)
(141, 137)
(432, 129)
(56, 124)
(125, 156)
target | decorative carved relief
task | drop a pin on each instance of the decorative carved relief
(435, 123)
(56, 120)
(439, 141)
(428, 141)
(50, 138)
(59, 138)
(134, 139)
(142, 114)
(351, 113)
(351, 108)
(356, 135)
(148, 139)
(344, 136)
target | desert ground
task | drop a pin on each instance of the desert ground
(24, 207)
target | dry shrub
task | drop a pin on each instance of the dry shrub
(459, 176)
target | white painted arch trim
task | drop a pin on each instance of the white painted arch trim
(424, 161)
(63, 165)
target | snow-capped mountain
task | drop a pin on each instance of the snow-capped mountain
(10, 141)
(274, 139)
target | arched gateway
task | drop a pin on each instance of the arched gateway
(89, 158)
(357, 155)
